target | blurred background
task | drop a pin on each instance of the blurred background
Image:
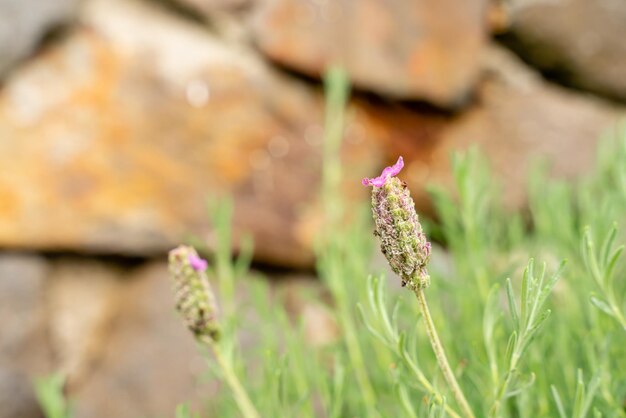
(119, 117)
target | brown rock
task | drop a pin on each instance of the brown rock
(111, 141)
(149, 362)
(308, 303)
(412, 50)
(24, 23)
(578, 42)
(25, 352)
(517, 118)
(17, 396)
(83, 298)
(211, 7)
(23, 342)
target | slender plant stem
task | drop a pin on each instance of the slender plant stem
(356, 357)
(244, 403)
(441, 356)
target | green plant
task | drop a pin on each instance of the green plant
(529, 362)
(51, 398)
(521, 341)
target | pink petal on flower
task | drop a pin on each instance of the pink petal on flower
(387, 172)
(197, 263)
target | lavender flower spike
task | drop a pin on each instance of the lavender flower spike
(195, 301)
(402, 240)
(387, 173)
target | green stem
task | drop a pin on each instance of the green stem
(358, 363)
(616, 310)
(441, 356)
(241, 396)
(427, 385)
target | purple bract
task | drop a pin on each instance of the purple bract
(387, 173)
(197, 263)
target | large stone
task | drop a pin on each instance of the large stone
(17, 396)
(211, 8)
(24, 22)
(24, 349)
(517, 118)
(23, 342)
(579, 42)
(83, 298)
(150, 362)
(412, 50)
(111, 141)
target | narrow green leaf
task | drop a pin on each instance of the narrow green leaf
(559, 403)
(521, 387)
(610, 266)
(246, 253)
(405, 400)
(580, 395)
(510, 347)
(524, 302)
(512, 304)
(372, 330)
(607, 244)
(592, 388)
(601, 305)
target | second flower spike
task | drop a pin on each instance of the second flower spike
(195, 301)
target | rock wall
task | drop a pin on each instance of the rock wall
(115, 130)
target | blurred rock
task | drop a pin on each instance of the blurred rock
(578, 42)
(23, 343)
(307, 300)
(149, 363)
(23, 23)
(25, 352)
(111, 141)
(83, 298)
(211, 7)
(17, 397)
(411, 50)
(517, 118)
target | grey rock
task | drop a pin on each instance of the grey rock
(22, 311)
(17, 398)
(24, 352)
(578, 42)
(24, 22)
(83, 297)
(149, 363)
(402, 49)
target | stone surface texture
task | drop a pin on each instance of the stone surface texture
(558, 126)
(113, 136)
(83, 298)
(150, 362)
(412, 50)
(23, 342)
(126, 127)
(578, 42)
(23, 24)
(24, 349)
(17, 398)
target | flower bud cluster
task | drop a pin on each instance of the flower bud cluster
(195, 301)
(402, 240)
